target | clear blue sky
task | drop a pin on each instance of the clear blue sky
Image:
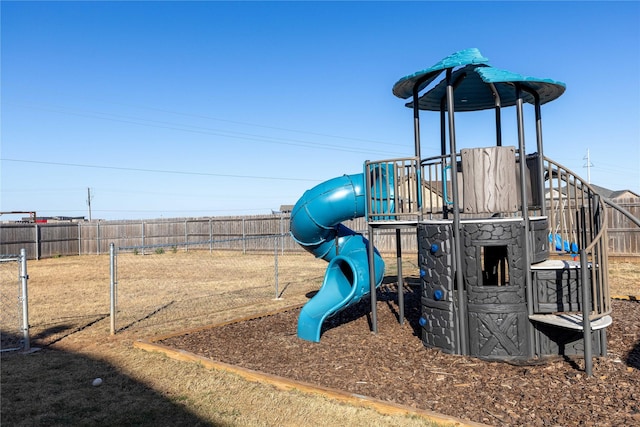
(171, 109)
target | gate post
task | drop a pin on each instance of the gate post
(112, 275)
(24, 277)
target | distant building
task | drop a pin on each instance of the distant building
(615, 194)
(53, 219)
(284, 209)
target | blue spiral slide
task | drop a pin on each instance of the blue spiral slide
(316, 225)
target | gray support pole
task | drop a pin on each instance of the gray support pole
(416, 137)
(142, 225)
(586, 308)
(112, 288)
(525, 214)
(540, 177)
(24, 278)
(498, 111)
(372, 284)
(462, 312)
(443, 152)
(523, 156)
(586, 321)
(443, 129)
(98, 237)
(186, 236)
(79, 239)
(400, 277)
(416, 120)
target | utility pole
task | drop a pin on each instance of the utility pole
(89, 201)
(588, 166)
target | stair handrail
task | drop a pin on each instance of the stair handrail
(590, 229)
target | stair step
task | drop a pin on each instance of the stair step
(555, 264)
(570, 320)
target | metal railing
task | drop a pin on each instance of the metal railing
(393, 188)
(436, 186)
(409, 189)
(577, 222)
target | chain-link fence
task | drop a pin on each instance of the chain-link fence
(162, 288)
(14, 313)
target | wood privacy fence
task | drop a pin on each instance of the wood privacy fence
(235, 233)
(624, 236)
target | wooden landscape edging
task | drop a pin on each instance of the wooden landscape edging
(626, 297)
(285, 384)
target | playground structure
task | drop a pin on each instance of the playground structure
(512, 247)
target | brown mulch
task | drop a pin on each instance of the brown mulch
(394, 366)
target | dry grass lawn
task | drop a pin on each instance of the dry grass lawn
(157, 294)
(69, 307)
(624, 278)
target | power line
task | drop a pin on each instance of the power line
(259, 125)
(175, 172)
(224, 133)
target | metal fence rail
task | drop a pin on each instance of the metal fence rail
(14, 303)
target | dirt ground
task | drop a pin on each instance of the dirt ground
(394, 366)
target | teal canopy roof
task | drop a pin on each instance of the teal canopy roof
(404, 87)
(475, 84)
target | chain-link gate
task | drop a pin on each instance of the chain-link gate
(14, 312)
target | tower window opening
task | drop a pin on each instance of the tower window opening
(494, 265)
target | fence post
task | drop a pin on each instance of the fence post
(112, 287)
(98, 237)
(210, 236)
(37, 240)
(24, 277)
(275, 252)
(244, 239)
(282, 233)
